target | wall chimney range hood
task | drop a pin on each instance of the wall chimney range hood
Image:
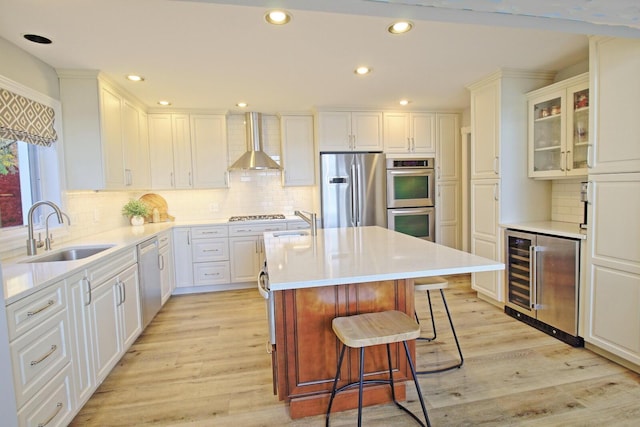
(254, 158)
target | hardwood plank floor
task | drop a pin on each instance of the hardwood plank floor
(203, 362)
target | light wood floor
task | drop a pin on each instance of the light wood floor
(203, 362)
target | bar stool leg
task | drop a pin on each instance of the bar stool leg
(415, 381)
(433, 321)
(360, 387)
(335, 384)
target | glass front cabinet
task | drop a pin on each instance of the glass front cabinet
(559, 129)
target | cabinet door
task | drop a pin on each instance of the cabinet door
(209, 151)
(112, 148)
(366, 128)
(396, 133)
(79, 301)
(448, 157)
(167, 281)
(130, 310)
(613, 264)
(577, 136)
(107, 341)
(130, 142)
(423, 133)
(183, 177)
(448, 214)
(547, 135)
(142, 173)
(485, 131)
(245, 258)
(161, 150)
(334, 131)
(297, 150)
(182, 257)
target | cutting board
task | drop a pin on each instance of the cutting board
(157, 201)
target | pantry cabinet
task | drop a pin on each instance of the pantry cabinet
(104, 134)
(297, 148)
(559, 129)
(350, 131)
(409, 133)
(448, 180)
(500, 189)
(188, 151)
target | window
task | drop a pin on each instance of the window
(28, 172)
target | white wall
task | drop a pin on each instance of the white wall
(22, 67)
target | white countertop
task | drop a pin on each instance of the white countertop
(362, 254)
(554, 228)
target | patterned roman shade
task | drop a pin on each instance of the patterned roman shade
(22, 119)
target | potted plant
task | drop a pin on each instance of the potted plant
(136, 210)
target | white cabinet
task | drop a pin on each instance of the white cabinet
(246, 245)
(448, 187)
(40, 355)
(202, 257)
(559, 129)
(188, 151)
(350, 131)
(409, 133)
(165, 254)
(614, 70)
(613, 264)
(182, 257)
(500, 188)
(105, 145)
(297, 150)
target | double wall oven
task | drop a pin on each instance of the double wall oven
(411, 197)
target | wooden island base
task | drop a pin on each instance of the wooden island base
(307, 350)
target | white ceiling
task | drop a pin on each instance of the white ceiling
(207, 54)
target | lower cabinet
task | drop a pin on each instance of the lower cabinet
(246, 247)
(166, 261)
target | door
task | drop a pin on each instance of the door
(370, 190)
(336, 190)
(556, 282)
(104, 324)
(130, 315)
(245, 258)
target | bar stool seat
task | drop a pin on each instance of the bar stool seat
(437, 283)
(370, 329)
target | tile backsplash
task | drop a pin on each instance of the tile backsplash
(565, 201)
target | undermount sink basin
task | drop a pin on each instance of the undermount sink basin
(291, 233)
(70, 254)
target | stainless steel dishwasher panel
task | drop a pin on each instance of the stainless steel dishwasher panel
(150, 285)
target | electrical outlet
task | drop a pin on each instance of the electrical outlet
(214, 207)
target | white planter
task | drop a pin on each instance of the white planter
(137, 220)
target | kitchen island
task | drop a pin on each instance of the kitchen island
(339, 272)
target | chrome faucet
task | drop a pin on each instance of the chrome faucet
(49, 238)
(311, 220)
(31, 242)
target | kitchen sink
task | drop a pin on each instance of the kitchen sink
(291, 233)
(70, 254)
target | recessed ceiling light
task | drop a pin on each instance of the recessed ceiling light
(400, 27)
(404, 102)
(277, 17)
(164, 103)
(241, 104)
(361, 71)
(37, 39)
(135, 78)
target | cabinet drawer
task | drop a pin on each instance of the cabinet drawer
(112, 266)
(255, 229)
(210, 250)
(207, 232)
(52, 405)
(211, 273)
(29, 312)
(164, 238)
(38, 356)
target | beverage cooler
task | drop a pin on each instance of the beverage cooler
(543, 274)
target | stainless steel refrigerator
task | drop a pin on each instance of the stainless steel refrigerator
(353, 189)
(543, 273)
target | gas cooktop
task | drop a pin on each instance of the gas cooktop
(256, 217)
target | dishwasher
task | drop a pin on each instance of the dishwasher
(150, 286)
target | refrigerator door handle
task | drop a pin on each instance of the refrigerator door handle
(354, 184)
(533, 276)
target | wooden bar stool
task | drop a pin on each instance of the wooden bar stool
(432, 284)
(369, 329)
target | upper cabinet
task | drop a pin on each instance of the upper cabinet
(297, 149)
(188, 151)
(350, 131)
(105, 138)
(409, 133)
(559, 129)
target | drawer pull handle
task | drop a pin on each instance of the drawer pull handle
(48, 420)
(38, 310)
(210, 250)
(44, 356)
(211, 274)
